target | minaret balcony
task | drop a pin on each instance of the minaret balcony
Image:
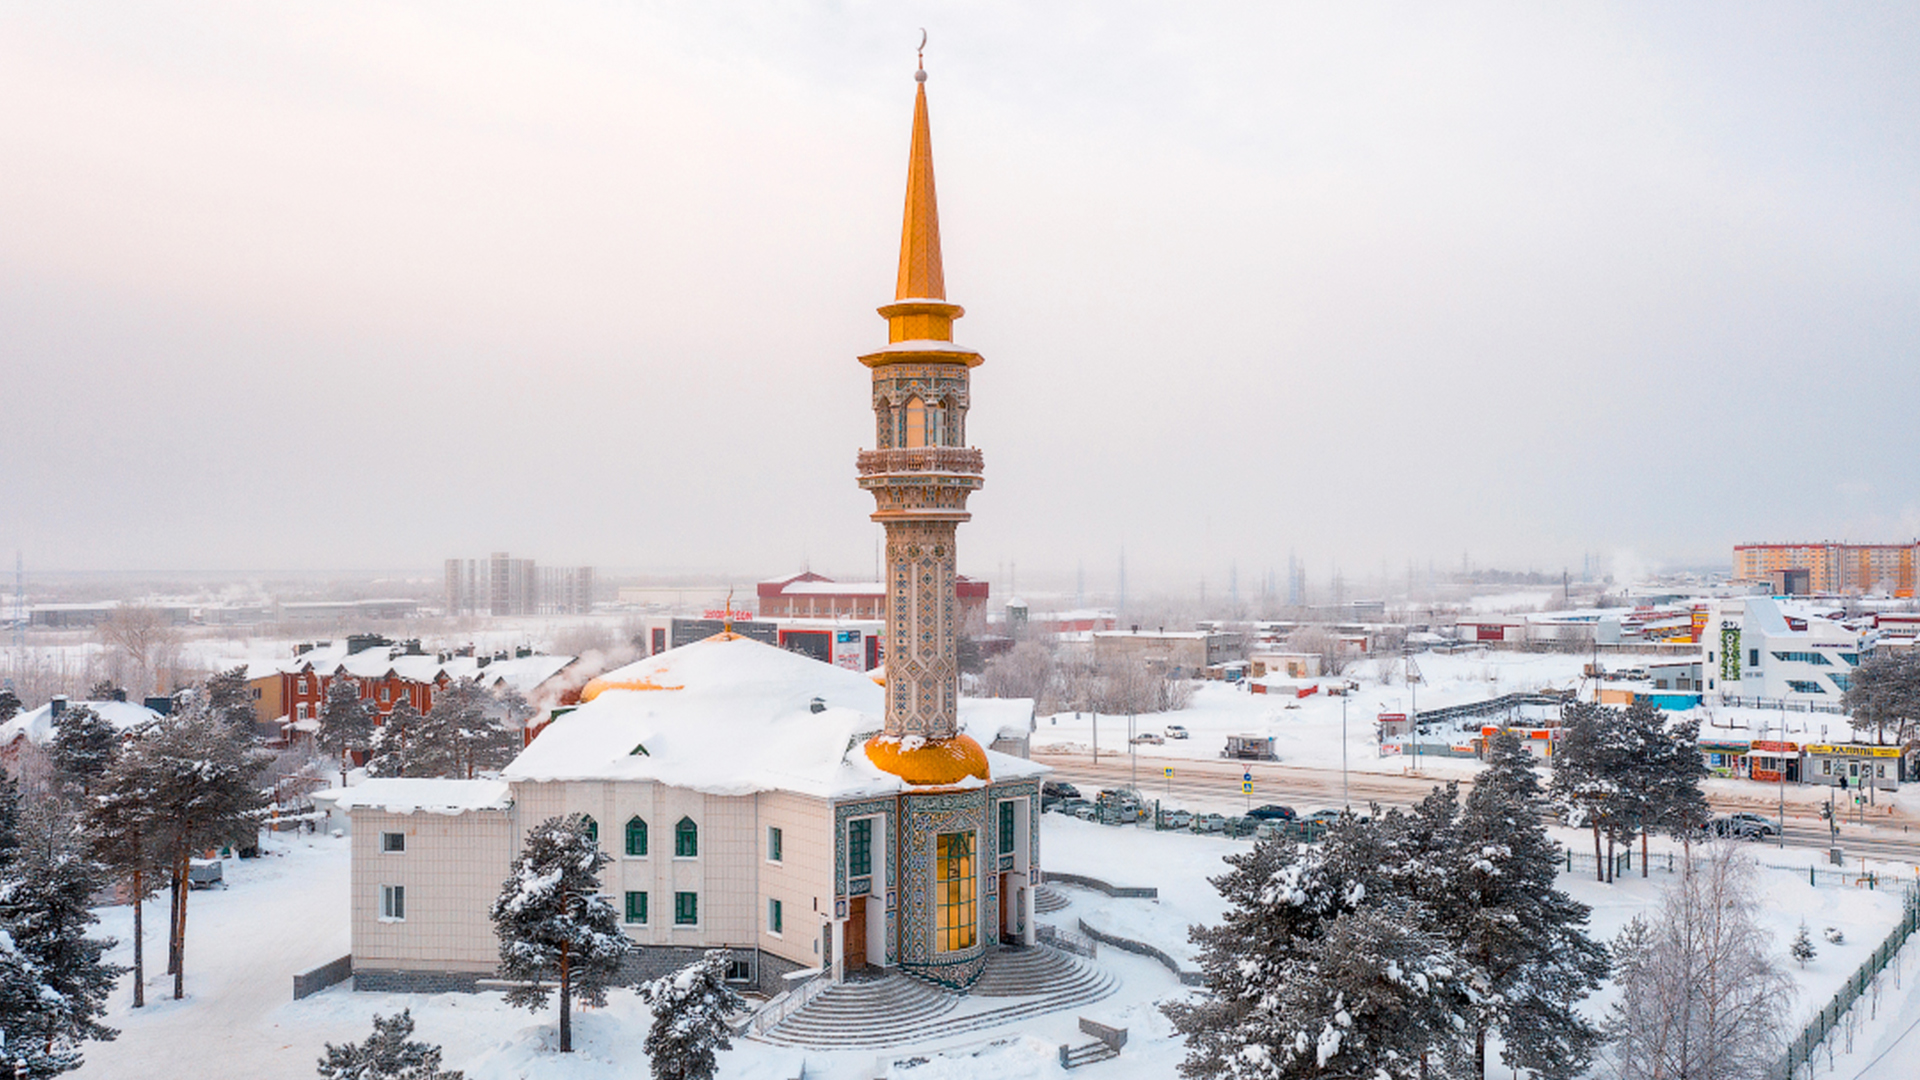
(951, 460)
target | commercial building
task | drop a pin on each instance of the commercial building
(807, 595)
(1753, 652)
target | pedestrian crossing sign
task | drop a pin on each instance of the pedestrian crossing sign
(1169, 771)
(1246, 787)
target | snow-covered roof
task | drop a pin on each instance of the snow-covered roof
(37, 725)
(987, 719)
(730, 716)
(398, 795)
(523, 673)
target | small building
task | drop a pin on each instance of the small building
(1539, 742)
(1249, 748)
(1725, 757)
(1772, 761)
(1853, 765)
(1175, 654)
(1293, 665)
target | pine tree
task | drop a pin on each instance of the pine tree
(555, 928)
(1683, 810)
(462, 735)
(1524, 940)
(346, 723)
(1326, 963)
(84, 744)
(201, 787)
(388, 1054)
(106, 690)
(9, 704)
(44, 914)
(126, 840)
(1802, 948)
(397, 748)
(231, 699)
(690, 1011)
(9, 820)
(1587, 764)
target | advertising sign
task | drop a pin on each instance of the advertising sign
(849, 650)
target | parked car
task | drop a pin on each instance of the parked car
(1150, 738)
(1744, 826)
(1085, 811)
(1272, 812)
(1242, 826)
(1210, 823)
(1072, 807)
(205, 874)
(1120, 806)
(1177, 731)
(1175, 819)
(1054, 792)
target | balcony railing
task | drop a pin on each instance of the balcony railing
(936, 459)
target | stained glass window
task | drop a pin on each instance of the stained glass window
(954, 892)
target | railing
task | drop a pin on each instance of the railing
(1780, 705)
(1622, 862)
(787, 1003)
(1840, 879)
(940, 459)
(1800, 1050)
(1066, 940)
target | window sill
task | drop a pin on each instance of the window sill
(634, 858)
(390, 919)
(686, 858)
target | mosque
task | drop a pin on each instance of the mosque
(801, 815)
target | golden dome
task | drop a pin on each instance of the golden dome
(595, 687)
(932, 764)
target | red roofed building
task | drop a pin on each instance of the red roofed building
(808, 595)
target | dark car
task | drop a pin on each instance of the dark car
(1271, 812)
(1055, 792)
(1744, 826)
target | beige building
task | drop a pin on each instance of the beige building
(728, 782)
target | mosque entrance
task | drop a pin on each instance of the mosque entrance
(855, 946)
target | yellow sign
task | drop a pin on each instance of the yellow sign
(1169, 772)
(1246, 788)
(1856, 751)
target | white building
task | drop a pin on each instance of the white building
(1754, 652)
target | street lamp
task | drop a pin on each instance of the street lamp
(1345, 802)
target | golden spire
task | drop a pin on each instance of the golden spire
(921, 277)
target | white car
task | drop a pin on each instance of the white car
(1176, 731)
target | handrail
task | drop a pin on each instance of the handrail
(947, 459)
(787, 1003)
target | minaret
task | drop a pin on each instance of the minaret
(921, 472)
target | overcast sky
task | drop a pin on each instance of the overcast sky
(368, 285)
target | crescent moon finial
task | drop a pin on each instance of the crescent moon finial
(920, 54)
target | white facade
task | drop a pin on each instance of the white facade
(1753, 652)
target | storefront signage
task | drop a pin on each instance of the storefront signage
(1856, 751)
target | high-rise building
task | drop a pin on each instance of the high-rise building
(1829, 567)
(503, 585)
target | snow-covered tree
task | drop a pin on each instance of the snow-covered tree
(1523, 941)
(556, 930)
(1326, 964)
(57, 980)
(1700, 993)
(9, 704)
(396, 748)
(200, 786)
(346, 722)
(1884, 693)
(463, 728)
(83, 746)
(106, 690)
(388, 1054)
(690, 1011)
(1802, 949)
(1593, 753)
(127, 837)
(231, 700)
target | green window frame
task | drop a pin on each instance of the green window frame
(593, 828)
(637, 908)
(774, 921)
(636, 836)
(860, 847)
(955, 893)
(686, 909)
(1006, 826)
(774, 845)
(686, 839)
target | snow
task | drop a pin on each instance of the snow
(287, 912)
(400, 795)
(37, 725)
(727, 716)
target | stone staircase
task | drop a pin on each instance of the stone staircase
(1047, 900)
(1017, 984)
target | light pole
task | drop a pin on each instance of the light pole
(1780, 764)
(1345, 802)
(1133, 755)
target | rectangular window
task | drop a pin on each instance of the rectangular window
(739, 971)
(686, 909)
(386, 694)
(773, 844)
(1006, 826)
(393, 841)
(637, 908)
(1753, 657)
(302, 687)
(954, 892)
(774, 922)
(860, 847)
(393, 902)
(300, 711)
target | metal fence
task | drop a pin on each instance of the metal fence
(1622, 862)
(1800, 1050)
(1844, 879)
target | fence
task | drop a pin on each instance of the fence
(1780, 705)
(1622, 862)
(1800, 1050)
(1843, 879)
(1066, 940)
(788, 1003)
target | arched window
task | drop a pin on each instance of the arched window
(593, 827)
(936, 425)
(916, 414)
(636, 836)
(686, 839)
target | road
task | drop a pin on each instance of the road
(1199, 784)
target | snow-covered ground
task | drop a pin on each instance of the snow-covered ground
(287, 912)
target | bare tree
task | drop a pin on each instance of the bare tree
(142, 645)
(1319, 641)
(1701, 990)
(1024, 671)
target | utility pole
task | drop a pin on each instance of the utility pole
(1345, 802)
